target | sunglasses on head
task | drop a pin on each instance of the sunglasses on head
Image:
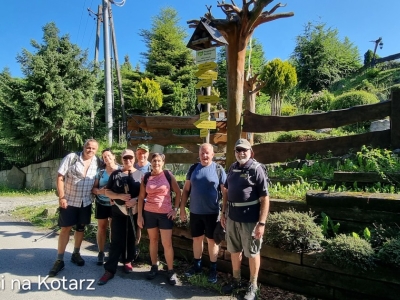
(238, 150)
(126, 157)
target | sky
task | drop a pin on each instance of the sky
(360, 20)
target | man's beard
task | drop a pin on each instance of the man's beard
(242, 161)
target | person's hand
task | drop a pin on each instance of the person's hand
(182, 215)
(131, 203)
(140, 221)
(62, 202)
(124, 197)
(223, 221)
(258, 231)
(172, 214)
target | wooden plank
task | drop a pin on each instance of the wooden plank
(167, 138)
(395, 119)
(188, 158)
(280, 254)
(336, 118)
(281, 152)
(341, 176)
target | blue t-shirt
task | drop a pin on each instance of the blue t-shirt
(102, 183)
(204, 183)
(146, 168)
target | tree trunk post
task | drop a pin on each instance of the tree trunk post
(395, 119)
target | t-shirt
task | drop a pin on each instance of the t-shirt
(103, 180)
(146, 168)
(158, 194)
(242, 187)
(204, 184)
(118, 179)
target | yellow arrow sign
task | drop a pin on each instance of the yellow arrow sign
(204, 116)
(203, 132)
(207, 75)
(205, 124)
(204, 83)
(208, 99)
(207, 66)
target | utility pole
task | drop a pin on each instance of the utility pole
(107, 72)
(118, 71)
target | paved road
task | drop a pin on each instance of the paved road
(24, 265)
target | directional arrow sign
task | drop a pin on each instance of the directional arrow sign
(207, 75)
(207, 66)
(204, 83)
(204, 116)
(203, 132)
(205, 124)
(208, 99)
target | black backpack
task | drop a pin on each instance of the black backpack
(218, 169)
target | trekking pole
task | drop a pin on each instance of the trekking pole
(47, 234)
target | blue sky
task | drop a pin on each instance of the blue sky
(360, 20)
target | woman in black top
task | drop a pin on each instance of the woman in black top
(123, 187)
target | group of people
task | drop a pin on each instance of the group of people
(139, 195)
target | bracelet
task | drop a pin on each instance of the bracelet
(261, 223)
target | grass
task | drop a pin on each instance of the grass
(8, 192)
(40, 216)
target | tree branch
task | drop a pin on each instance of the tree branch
(229, 8)
(264, 18)
(193, 23)
(275, 8)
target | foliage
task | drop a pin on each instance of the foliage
(369, 56)
(390, 252)
(320, 101)
(381, 233)
(288, 109)
(353, 98)
(321, 58)
(350, 253)
(38, 215)
(53, 103)
(279, 76)
(300, 136)
(147, 95)
(293, 231)
(328, 227)
(168, 60)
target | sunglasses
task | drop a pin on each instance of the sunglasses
(238, 150)
(130, 157)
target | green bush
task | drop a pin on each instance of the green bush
(354, 98)
(390, 252)
(350, 252)
(288, 110)
(293, 231)
(372, 73)
(300, 136)
(320, 101)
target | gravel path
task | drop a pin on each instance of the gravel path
(8, 203)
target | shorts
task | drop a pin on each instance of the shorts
(102, 211)
(203, 225)
(154, 220)
(239, 238)
(72, 215)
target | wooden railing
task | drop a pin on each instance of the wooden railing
(282, 151)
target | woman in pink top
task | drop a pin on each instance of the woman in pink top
(158, 213)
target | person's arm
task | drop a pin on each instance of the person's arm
(175, 188)
(264, 209)
(62, 202)
(185, 196)
(96, 190)
(142, 195)
(224, 211)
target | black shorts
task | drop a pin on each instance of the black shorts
(102, 211)
(71, 216)
(154, 220)
(203, 225)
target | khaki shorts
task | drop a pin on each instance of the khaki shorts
(239, 238)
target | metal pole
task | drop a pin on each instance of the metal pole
(107, 72)
(96, 59)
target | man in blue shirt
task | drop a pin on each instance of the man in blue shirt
(244, 212)
(203, 183)
(142, 155)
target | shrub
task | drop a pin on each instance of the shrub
(390, 252)
(320, 101)
(293, 231)
(300, 136)
(350, 252)
(288, 110)
(353, 98)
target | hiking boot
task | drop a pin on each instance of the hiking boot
(76, 258)
(105, 278)
(128, 268)
(193, 271)
(153, 272)
(100, 258)
(231, 286)
(57, 267)
(171, 277)
(251, 293)
(212, 276)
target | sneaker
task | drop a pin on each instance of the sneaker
(105, 278)
(172, 277)
(251, 293)
(76, 258)
(193, 271)
(212, 276)
(153, 272)
(100, 258)
(57, 267)
(128, 268)
(231, 286)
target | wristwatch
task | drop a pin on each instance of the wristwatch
(175, 209)
(261, 223)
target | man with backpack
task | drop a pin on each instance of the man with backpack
(204, 183)
(76, 176)
(244, 213)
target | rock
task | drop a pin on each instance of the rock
(380, 125)
(16, 179)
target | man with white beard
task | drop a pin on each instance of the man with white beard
(244, 213)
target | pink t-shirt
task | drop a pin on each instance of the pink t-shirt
(158, 194)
